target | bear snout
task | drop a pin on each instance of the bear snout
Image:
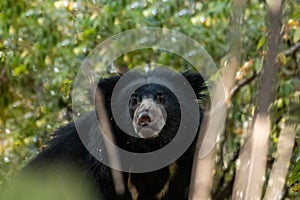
(144, 119)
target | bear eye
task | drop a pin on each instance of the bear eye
(134, 101)
(160, 98)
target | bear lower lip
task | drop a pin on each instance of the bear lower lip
(147, 133)
(148, 137)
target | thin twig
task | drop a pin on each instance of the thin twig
(241, 84)
(292, 49)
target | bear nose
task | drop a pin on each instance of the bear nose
(144, 119)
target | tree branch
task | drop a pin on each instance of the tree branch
(249, 178)
(292, 49)
(241, 84)
(276, 183)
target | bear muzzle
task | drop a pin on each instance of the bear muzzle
(149, 119)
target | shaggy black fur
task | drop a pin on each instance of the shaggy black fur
(67, 148)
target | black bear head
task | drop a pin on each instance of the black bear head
(154, 110)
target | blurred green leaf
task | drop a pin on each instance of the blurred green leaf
(261, 42)
(296, 37)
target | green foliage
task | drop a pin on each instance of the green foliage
(294, 177)
(43, 43)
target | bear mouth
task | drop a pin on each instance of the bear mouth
(147, 132)
(149, 119)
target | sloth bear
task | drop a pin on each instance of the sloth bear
(155, 113)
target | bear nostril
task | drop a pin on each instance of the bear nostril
(144, 119)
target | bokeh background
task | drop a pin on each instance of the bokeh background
(43, 43)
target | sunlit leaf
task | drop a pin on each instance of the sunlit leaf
(281, 58)
(19, 70)
(261, 42)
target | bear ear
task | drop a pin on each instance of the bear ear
(107, 84)
(195, 80)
